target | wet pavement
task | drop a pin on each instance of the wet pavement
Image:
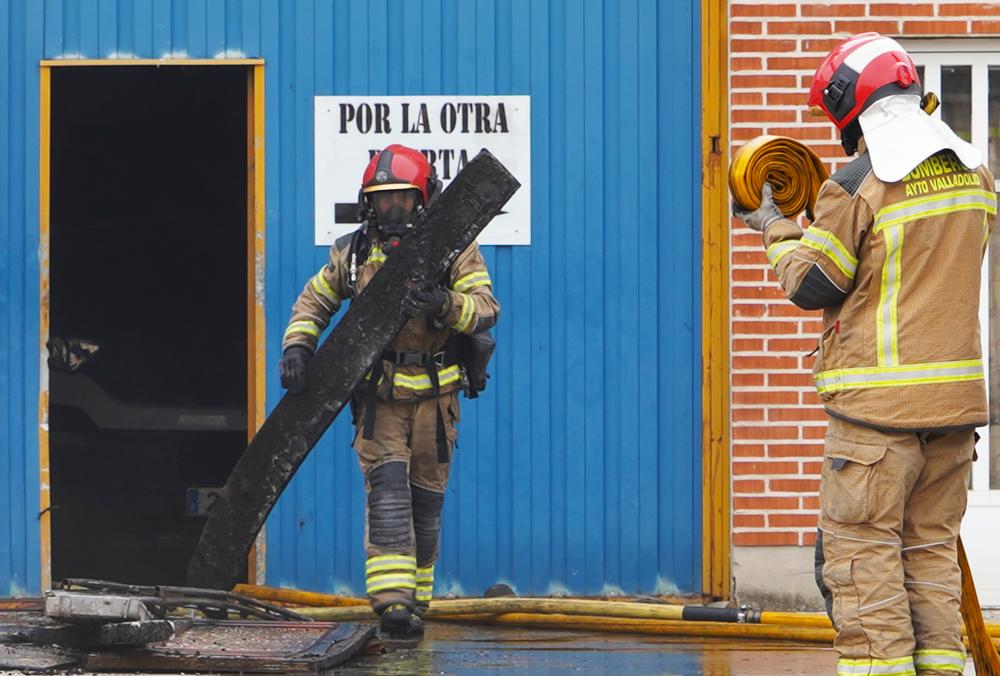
(477, 649)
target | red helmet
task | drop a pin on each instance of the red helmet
(855, 74)
(400, 168)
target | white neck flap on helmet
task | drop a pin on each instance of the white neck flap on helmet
(900, 136)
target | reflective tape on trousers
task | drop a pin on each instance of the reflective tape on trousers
(901, 666)
(943, 660)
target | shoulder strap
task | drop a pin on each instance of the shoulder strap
(357, 254)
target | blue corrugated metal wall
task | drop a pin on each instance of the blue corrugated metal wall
(579, 469)
(20, 38)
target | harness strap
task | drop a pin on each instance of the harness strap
(376, 375)
(404, 358)
(441, 438)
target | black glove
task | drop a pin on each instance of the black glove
(761, 217)
(293, 369)
(430, 302)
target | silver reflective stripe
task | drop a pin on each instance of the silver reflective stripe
(895, 376)
(902, 666)
(958, 200)
(944, 660)
(831, 247)
(779, 250)
(376, 583)
(886, 325)
(385, 563)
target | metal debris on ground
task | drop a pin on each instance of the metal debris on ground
(210, 602)
(93, 624)
(244, 646)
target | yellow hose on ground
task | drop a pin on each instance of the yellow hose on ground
(796, 619)
(504, 605)
(793, 170)
(658, 627)
(581, 614)
(296, 597)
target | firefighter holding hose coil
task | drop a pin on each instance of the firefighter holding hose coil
(893, 257)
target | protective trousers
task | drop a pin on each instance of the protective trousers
(405, 481)
(891, 504)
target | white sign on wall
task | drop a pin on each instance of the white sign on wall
(449, 130)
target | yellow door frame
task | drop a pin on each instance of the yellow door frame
(716, 531)
(255, 269)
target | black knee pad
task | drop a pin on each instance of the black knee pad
(390, 510)
(819, 560)
(426, 523)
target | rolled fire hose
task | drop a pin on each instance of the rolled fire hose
(794, 171)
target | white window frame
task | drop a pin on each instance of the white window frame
(980, 55)
(979, 525)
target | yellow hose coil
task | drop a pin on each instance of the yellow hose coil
(793, 170)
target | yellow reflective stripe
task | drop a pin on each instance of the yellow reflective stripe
(377, 583)
(382, 567)
(302, 326)
(986, 229)
(323, 288)
(944, 203)
(425, 575)
(864, 377)
(472, 280)
(446, 376)
(392, 557)
(900, 666)
(930, 651)
(869, 660)
(465, 319)
(375, 256)
(939, 660)
(397, 560)
(779, 250)
(408, 578)
(831, 247)
(887, 316)
(424, 595)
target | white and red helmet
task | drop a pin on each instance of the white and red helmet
(868, 86)
(855, 74)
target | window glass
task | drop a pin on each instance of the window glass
(956, 99)
(994, 117)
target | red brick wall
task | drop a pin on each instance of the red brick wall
(777, 422)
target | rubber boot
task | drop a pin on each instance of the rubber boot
(399, 628)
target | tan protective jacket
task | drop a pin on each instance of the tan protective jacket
(472, 308)
(896, 269)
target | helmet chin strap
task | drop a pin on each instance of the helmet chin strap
(850, 136)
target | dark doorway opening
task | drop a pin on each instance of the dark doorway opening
(148, 267)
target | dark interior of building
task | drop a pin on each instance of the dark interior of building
(148, 268)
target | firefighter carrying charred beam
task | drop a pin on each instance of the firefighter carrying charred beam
(407, 409)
